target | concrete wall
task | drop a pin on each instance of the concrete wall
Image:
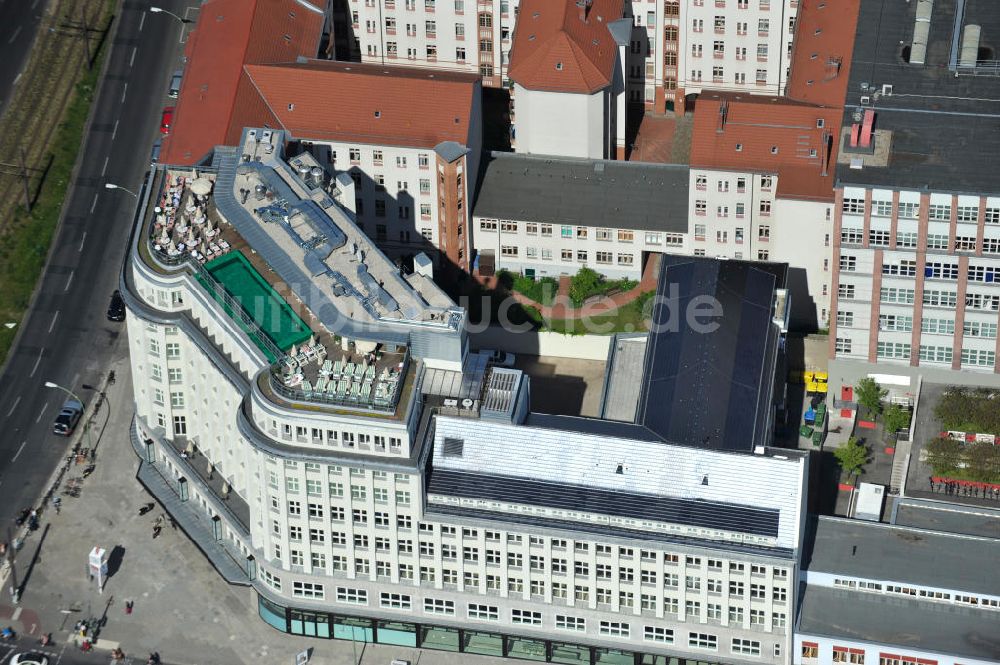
(562, 124)
(584, 347)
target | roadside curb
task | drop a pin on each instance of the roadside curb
(69, 186)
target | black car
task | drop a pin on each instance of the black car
(116, 310)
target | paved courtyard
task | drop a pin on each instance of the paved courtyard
(182, 608)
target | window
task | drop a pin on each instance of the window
(526, 617)
(658, 634)
(940, 212)
(853, 206)
(173, 350)
(810, 650)
(978, 358)
(483, 612)
(893, 350)
(936, 354)
(352, 596)
(979, 329)
(614, 629)
(437, 606)
(180, 425)
(842, 345)
(881, 208)
(895, 322)
(703, 641)
(394, 601)
(889, 294)
(746, 647)
(849, 236)
(307, 590)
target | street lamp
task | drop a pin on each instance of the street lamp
(111, 185)
(160, 10)
(86, 424)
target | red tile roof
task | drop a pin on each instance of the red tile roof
(821, 60)
(355, 102)
(774, 135)
(230, 33)
(555, 50)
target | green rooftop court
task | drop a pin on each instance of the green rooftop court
(257, 302)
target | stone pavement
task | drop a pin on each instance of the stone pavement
(182, 608)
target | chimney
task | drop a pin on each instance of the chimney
(867, 128)
(723, 112)
(584, 8)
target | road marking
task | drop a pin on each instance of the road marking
(82, 240)
(69, 281)
(16, 615)
(104, 168)
(53, 324)
(37, 360)
(34, 4)
(142, 21)
(131, 60)
(124, 90)
(94, 204)
(18, 454)
(17, 31)
(18, 77)
(115, 132)
(14, 405)
(39, 418)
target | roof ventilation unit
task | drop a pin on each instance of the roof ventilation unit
(970, 45)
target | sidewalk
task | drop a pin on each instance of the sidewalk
(182, 608)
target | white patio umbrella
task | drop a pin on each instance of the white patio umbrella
(294, 351)
(201, 186)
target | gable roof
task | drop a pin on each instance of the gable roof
(363, 103)
(824, 43)
(230, 33)
(555, 50)
(768, 134)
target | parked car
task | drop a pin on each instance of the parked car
(68, 417)
(116, 309)
(29, 659)
(167, 120)
(175, 84)
(501, 358)
(154, 156)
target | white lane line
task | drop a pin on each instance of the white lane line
(104, 169)
(37, 360)
(142, 21)
(115, 132)
(14, 405)
(124, 90)
(69, 281)
(17, 31)
(54, 319)
(18, 77)
(131, 60)
(94, 204)
(18, 453)
(16, 615)
(39, 418)
(82, 240)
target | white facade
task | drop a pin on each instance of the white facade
(551, 250)
(565, 124)
(736, 45)
(738, 215)
(464, 35)
(937, 309)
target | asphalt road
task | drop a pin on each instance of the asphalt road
(67, 338)
(19, 20)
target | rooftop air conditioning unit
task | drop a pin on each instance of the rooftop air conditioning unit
(866, 100)
(887, 89)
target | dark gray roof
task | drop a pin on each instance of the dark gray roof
(951, 518)
(945, 128)
(629, 195)
(894, 621)
(926, 558)
(712, 389)
(565, 496)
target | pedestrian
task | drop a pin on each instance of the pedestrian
(128, 606)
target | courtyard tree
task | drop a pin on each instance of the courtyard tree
(895, 419)
(852, 456)
(944, 455)
(869, 394)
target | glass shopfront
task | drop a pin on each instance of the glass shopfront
(440, 638)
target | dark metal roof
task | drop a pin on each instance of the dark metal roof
(945, 123)
(892, 621)
(557, 190)
(691, 512)
(712, 387)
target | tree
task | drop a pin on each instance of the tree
(869, 394)
(584, 284)
(852, 456)
(982, 460)
(895, 419)
(944, 455)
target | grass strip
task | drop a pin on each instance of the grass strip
(26, 244)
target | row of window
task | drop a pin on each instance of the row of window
(909, 240)
(571, 232)
(911, 210)
(331, 437)
(766, 181)
(722, 236)
(581, 255)
(931, 297)
(901, 351)
(701, 207)
(432, 5)
(904, 323)
(929, 594)
(932, 269)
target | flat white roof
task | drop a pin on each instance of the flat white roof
(646, 467)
